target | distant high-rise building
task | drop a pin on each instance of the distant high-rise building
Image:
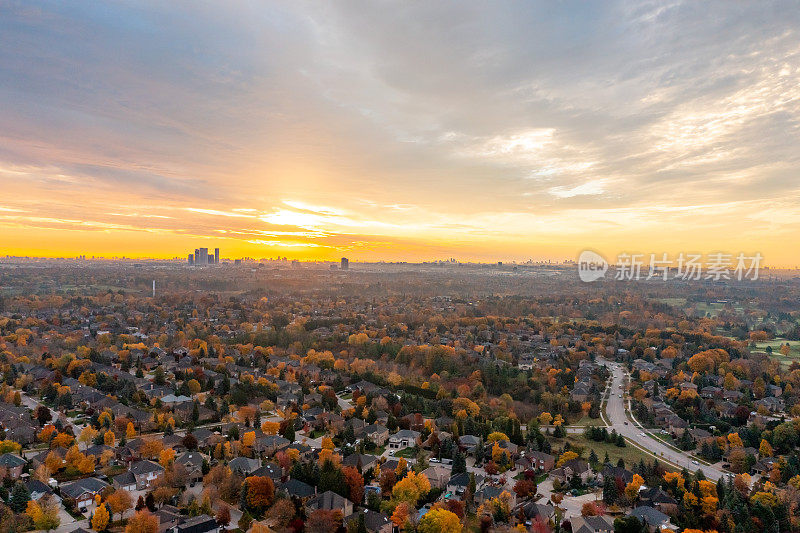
(345, 263)
(191, 260)
(216, 256)
(203, 256)
(196, 256)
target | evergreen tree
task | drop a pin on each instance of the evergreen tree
(459, 463)
(19, 498)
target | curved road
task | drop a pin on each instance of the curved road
(618, 419)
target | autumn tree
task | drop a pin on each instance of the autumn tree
(142, 522)
(119, 502)
(100, 518)
(355, 484)
(258, 494)
(439, 520)
(223, 516)
(324, 521)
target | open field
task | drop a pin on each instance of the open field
(630, 454)
(786, 360)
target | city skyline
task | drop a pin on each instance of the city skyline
(408, 132)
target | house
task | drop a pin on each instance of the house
(198, 524)
(270, 470)
(403, 439)
(573, 468)
(11, 466)
(771, 404)
(145, 472)
(614, 472)
(362, 462)
(656, 497)
(83, 491)
(330, 501)
(375, 522)
(193, 462)
(298, 489)
(532, 510)
(592, 524)
(37, 489)
(244, 465)
(536, 460)
(438, 476)
(126, 481)
(458, 483)
(168, 517)
(654, 519)
(376, 433)
(490, 491)
(468, 443)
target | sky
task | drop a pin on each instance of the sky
(412, 131)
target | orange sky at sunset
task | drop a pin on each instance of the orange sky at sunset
(484, 132)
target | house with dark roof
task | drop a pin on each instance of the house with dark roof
(145, 472)
(198, 524)
(11, 466)
(125, 481)
(298, 489)
(592, 524)
(83, 491)
(330, 501)
(654, 519)
(244, 465)
(374, 521)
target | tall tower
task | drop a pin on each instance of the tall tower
(216, 256)
(154, 288)
(345, 264)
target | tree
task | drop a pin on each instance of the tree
(166, 457)
(44, 513)
(439, 521)
(628, 524)
(324, 521)
(459, 463)
(43, 415)
(400, 515)
(119, 502)
(19, 497)
(223, 516)
(411, 488)
(525, 488)
(100, 518)
(282, 512)
(259, 494)
(142, 522)
(189, 442)
(355, 484)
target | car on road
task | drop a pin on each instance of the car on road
(619, 396)
(695, 462)
(626, 422)
(642, 434)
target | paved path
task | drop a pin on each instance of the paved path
(618, 419)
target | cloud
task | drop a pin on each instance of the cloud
(433, 123)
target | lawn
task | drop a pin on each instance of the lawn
(408, 453)
(630, 454)
(588, 421)
(785, 360)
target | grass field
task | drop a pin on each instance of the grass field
(630, 454)
(588, 421)
(786, 360)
